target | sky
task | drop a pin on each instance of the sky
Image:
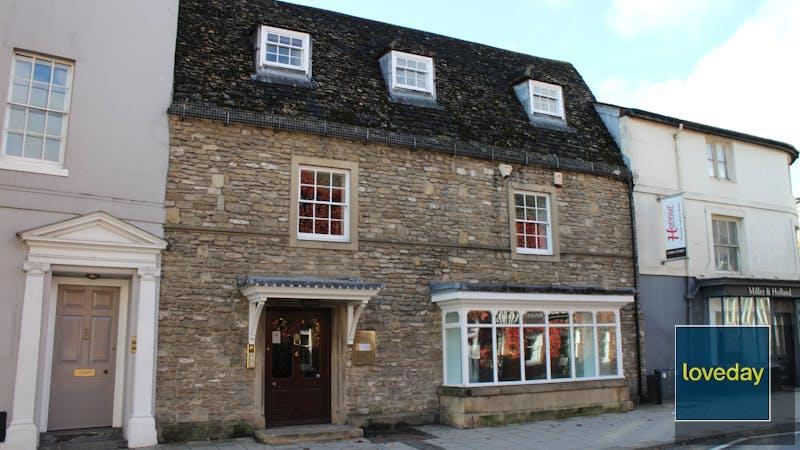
(729, 63)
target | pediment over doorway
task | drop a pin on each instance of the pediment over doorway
(93, 239)
(95, 228)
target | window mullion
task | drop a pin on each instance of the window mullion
(572, 347)
(596, 346)
(462, 324)
(619, 344)
(521, 332)
(547, 343)
(493, 328)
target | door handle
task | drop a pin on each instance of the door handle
(274, 384)
(105, 371)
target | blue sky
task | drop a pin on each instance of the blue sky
(685, 58)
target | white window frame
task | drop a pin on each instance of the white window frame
(345, 237)
(429, 61)
(559, 100)
(305, 60)
(549, 224)
(493, 308)
(714, 160)
(22, 163)
(739, 253)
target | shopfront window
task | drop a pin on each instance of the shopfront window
(738, 311)
(516, 346)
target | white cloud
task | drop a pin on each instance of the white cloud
(750, 83)
(630, 17)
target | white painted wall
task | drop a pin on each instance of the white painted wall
(759, 193)
(117, 143)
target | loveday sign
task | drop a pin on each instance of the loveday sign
(722, 373)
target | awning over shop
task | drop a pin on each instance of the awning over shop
(259, 289)
(478, 293)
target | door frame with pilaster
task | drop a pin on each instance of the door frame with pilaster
(96, 242)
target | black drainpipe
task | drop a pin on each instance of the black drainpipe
(636, 290)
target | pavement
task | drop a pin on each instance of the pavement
(646, 426)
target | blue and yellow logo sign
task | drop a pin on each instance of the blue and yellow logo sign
(722, 373)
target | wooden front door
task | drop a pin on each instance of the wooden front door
(84, 352)
(298, 375)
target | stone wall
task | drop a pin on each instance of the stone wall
(423, 216)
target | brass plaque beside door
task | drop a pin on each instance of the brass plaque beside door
(364, 348)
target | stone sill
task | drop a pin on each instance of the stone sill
(488, 391)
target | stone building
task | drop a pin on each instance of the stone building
(373, 225)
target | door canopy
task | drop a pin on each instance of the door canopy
(355, 294)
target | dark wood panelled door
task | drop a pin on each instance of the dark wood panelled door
(298, 380)
(84, 352)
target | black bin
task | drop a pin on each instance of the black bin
(661, 386)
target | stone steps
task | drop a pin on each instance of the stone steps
(83, 439)
(308, 433)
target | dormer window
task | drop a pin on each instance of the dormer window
(286, 50)
(412, 72)
(543, 102)
(547, 99)
(408, 74)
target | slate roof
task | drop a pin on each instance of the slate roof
(306, 282)
(214, 65)
(708, 129)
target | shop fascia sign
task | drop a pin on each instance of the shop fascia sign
(769, 291)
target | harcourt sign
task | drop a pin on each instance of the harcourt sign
(674, 231)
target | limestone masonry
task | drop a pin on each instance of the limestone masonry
(423, 216)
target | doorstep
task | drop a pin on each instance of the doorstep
(83, 439)
(308, 433)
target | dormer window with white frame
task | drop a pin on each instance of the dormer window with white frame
(546, 99)
(410, 74)
(287, 50)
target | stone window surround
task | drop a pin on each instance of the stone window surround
(294, 202)
(551, 192)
